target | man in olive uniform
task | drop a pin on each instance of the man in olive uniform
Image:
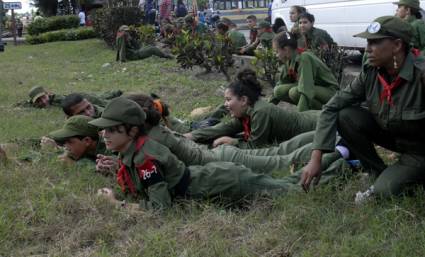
(80, 139)
(41, 98)
(236, 37)
(312, 37)
(75, 104)
(409, 10)
(392, 86)
(264, 39)
(128, 48)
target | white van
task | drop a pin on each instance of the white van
(342, 19)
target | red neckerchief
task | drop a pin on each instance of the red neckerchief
(246, 123)
(388, 88)
(415, 52)
(120, 34)
(123, 177)
(300, 50)
(292, 72)
(268, 30)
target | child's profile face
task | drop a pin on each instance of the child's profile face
(116, 138)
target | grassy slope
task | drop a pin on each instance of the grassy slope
(48, 209)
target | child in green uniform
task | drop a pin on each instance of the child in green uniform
(408, 10)
(294, 14)
(261, 123)
(80, 140)
(150, 172)
(312, 37)
(304, 79)
(128, 49)
(391, 85)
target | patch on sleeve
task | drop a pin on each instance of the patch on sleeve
(149, 173)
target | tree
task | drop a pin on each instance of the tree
(47, 7)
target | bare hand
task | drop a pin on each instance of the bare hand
(312, 171)
(106, 164)
(225, 141)
(48, 143)
(188, 136)
(66, 159)
(107, 193)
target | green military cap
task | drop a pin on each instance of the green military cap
(388, 27)
(120, 110)
(77, 125)
(35, 93)
(409, 3)
(226, 21)
(189, 18)
(264, 25)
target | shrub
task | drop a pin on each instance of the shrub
(106, 21)
(53, 23)
(267, 65)
(205, 50)
(62, 35)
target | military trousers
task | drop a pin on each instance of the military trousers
(360, 130)
(289, 93)
(146, 52)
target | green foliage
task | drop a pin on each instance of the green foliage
(106, 21)
(207, 50)
(62, 35)
(267, 65)
(145, 34)
(53, 23)
(334, 59)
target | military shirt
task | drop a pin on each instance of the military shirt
(154, 184)
(315, 39)
(406, 117)
(237, 38)
(269, 124)
(308, 71)
(418, 39)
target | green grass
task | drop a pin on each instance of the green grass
(47, 209)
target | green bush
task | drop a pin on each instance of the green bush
(62, 35)
(53, 23)
(106, 21)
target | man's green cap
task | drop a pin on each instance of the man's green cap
(388, 27)
(118, 111)
(189, 18)
(77, 125)
(409, 3)
(35, 93)
(264, 25)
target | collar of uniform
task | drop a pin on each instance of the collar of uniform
(97, 111)
(410, 19)
(406, 71)
(127, 156)
(251, 109)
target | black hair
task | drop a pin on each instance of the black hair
(278, 24)
(127, 129)
(300, 9)
(62, 141)
(251, 17)
(415, 12)
(306, 15)
(69, 101)
(246, 84)
(283, 39)
(153, 116)
(222, 26)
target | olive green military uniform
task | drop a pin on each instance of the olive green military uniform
(418, 39)
(178, 125)
(315, 39)
(129, 49)
(305, 81)
(264, 39)
(56, 100)
(78, 126)
(268, 125)
(395, 120)
(418, 25)
(237, 38)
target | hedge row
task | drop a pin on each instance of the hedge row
(53, 23)
(62, 35)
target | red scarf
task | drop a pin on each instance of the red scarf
(415, 52)
(123, 177)
(292, 73)
(388, 88)
(246, 123)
